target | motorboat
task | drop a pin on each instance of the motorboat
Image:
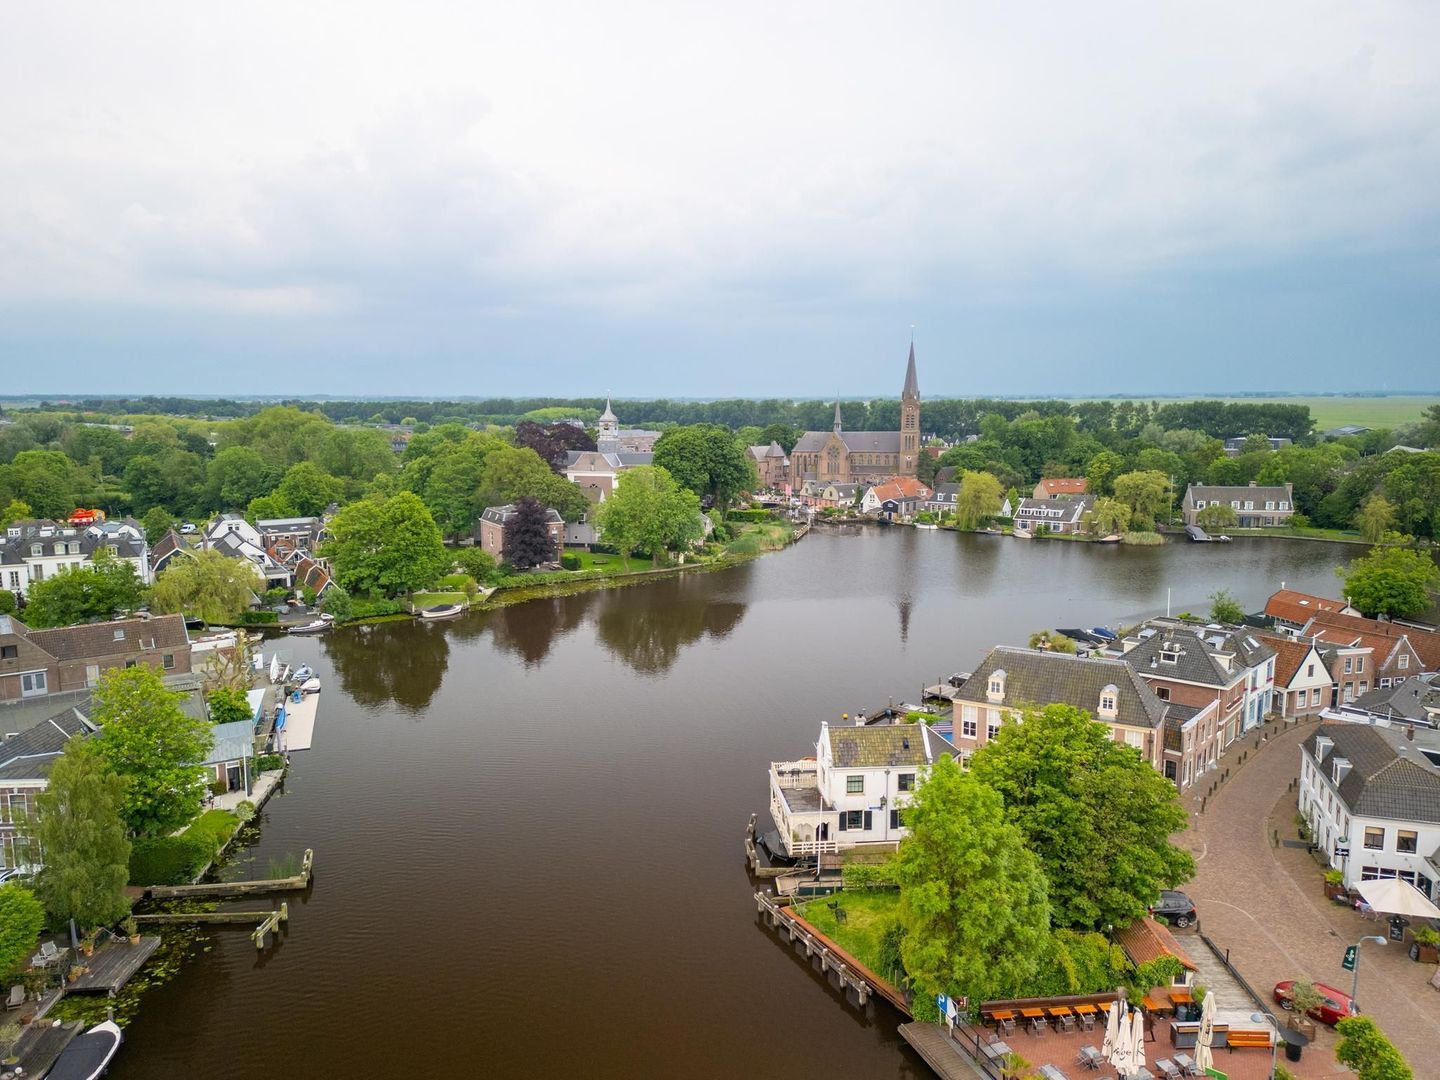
(1113, 538)
(1104, 632)
(1222, 539)
(925, 525)
(301, 673)
(88, 1055)
(1022, 534)
(324, 622)
(310, 686)
(441, 611)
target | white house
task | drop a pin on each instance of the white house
(36, 550)
(851, 793)
(233, 536)
(1371, 796)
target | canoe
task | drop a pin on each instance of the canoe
(88, 1055)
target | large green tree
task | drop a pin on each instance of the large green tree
(1375, 518)
(236, 475)
(308, 489)
(387, 546)
(513, 473)
(649, 512)
(1147, 493)
(1098, 816)
(1109, 516)
(1395, 582)
(81, 833)
(106, 587)
(206, 585)
(1364, 1047)
(22, 917)
(706, 459)
(973, 894)
(978, 498)
(154, 746)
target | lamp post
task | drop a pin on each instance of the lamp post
(1261, 1018)
(1355, 976)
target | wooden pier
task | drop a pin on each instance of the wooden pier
(933, 1043)
(237, 888)
(112, 965)
(852, 974)
(269, 921)
(40, 1046)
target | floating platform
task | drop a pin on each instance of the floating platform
(113, 965)
(299, 730)
(933, 1043)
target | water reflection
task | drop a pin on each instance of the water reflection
(530, 630)
(400, 662)
(648, 628)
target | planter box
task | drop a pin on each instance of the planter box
(1426, 954)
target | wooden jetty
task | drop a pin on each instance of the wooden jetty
(112, 965)
(752, 856)
(40, 1045)
(269, 921)
(853, 975)
(237, 888)
(933, 1043)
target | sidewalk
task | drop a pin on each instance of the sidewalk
(1266, 904)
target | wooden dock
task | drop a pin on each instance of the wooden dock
(238, 888)
(40, 1046)
(268, 921)
(933, 1043)
(852, 974)
(112, 965)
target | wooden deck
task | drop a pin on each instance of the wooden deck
(40, 1045)
(239, 888)
(933, 1043)
(113, 965)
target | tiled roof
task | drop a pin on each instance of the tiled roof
(1297, 607)
(1242, 493)
(1388, 777)
(1148, 939)
(1409, 700)
(100, 639)
(902, 487)
(499, 515)
(29, 755)
(1290, 653)
(1063, 485)
(858, 747)
(1190, 658)
(1426, 643)
(1036, 677)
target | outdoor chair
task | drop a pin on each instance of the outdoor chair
(1168, 1069)
(1186, 1065)
(1090, 1057)
(1007, 1026)
(47, 955)
(1068, 1023)
(16, 998)
(1038, 1025)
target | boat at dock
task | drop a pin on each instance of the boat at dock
(441, 611)
(310, 686)
(925, 525)
(1113, 538)
(324, 622)
(88, 1055)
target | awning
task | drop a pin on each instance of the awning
(1391, 896)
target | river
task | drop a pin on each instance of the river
(528, 823)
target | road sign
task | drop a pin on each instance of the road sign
(1349, 962)
(1342, 852)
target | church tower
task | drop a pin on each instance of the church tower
(607, 438)
(910, 420)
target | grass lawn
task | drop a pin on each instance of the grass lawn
(868, 913)
(590, 560)
(433, 599)
(752, 537)
(1374, 412)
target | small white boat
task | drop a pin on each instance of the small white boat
(310, 686)
(441, 611)
(925, 525)
(301, 673)
(322, 623)
(1113, 538)
(88, 1055)
(1021, 534)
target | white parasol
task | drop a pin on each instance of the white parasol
(1112, 1030)
(1395, 897)
(1203, 1058)
(1122, 1053)
(1137, 1041)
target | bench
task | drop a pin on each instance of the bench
(1248, 1038)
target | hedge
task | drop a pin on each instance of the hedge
(748, 515)
(258, 618)
(570, 561)
(370, 609)
(175, 860)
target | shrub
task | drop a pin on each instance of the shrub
(476, 562)
(453, 583)
(374, 608)
(269, 762)
(755, 516)
(1299, 521)
(570, 561)
(746, 545)
(170, 860)
(721, 533)
(258, 618)
(1364, 1047)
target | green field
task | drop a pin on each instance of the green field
(1372, 412)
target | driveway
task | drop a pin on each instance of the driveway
(1265, 904)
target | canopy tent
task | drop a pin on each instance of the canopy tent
(1391, 896)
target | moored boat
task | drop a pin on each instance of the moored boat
(88, 1055)
(324, 622)
(441, 611)
(310, 686)
(1113, 538)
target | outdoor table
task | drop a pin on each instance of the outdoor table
(1087, 1016)
(1181, 997)
(1036, 1017)
(1059, 1010)
(996, 1050)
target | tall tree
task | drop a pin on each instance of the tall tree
(1376, 516)
(308, 489)
(972, 892)
(513, 473)
(1394, 582)
(236, 475)
(1147, 493)
(157, 522)
(154, 746)
(22, 917)
(206, 585)
(1108, 516)
(1225, 609)
(1097, 815)
(648, 512)
(705, 459)
(15, 510)
(106, 587)
(1217, 516)
(79, 827)
(386, 546)
(977, 499)
(1100, 475)
(553, 442)
(528, 541)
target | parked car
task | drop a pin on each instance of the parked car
(187, 528)
(1334, 1007)
(1175, 908)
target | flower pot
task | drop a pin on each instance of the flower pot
(1426, 954)
(134, 939)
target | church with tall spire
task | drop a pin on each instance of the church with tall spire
(861, 457)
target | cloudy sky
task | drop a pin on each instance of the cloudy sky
(718, 199)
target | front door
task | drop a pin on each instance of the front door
(235, 777)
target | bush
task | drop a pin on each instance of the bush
(475, 562)
(269, 762)
(754, 516)
(1299, 521)
(452, 583)
(258, 618)
(170, 860)
(570, 561)
(721, 533)
(7, 602)
(374, 608)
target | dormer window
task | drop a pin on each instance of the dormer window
(996, 688)
(60, 547)
(1169, 653)
(1108, 698)
(36, 549)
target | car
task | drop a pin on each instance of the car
(187, 528)
(1334, 1006)
(1175, 908)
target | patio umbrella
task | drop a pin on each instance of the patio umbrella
(1112, 1031)
(1395, 897)
(1122, 1049)
(1137, 1040)
(1203, 1058)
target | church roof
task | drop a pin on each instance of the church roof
(856, 442)
(608, 415)
(912, 384)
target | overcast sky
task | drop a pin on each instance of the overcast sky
(718, 199)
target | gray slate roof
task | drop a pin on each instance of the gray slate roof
(1192, 657)
(29, 755)
(1212, 493)
(1388, 777)
(499, 515)
(1037, 677)
(1408, 700)
(856, 442)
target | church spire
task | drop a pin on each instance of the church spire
(836, 427)
(912, 384)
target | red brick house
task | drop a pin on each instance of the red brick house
(490, 529)
(34, 663)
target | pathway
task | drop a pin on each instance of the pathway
(1266, 904)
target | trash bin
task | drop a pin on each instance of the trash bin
(1295, 1042)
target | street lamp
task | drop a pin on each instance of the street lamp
(1262, 1018)
(1355, 977)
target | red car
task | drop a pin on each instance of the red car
(1335, 1007)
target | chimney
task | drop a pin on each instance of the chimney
(1410, 733)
